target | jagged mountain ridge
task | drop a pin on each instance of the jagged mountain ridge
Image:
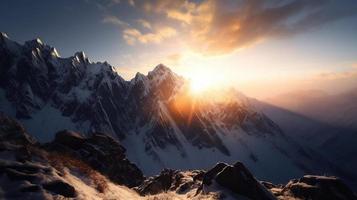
(152, 115)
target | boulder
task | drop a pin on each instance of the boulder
(318, 188)
(69, 138)
(210, 174)
(101, 152)
(239, 180)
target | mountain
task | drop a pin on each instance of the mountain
(74, 166)
(154, 116)
(338, 110)
(325, 121)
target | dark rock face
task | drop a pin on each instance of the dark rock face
(60, 187)
(171, 180)
(269, 185)
(160, 183)
(238, 179)
(70, 139)
(211, 174)
(101, 152)
(13, 132)
(317, 188)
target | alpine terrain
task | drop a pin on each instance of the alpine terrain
(156, 121)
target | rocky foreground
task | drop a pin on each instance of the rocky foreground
(95, 167)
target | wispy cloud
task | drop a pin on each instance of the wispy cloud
(115, 21)
(144, 23)
(133, 35)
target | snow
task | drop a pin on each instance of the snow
(54, 52)
(12, 46)
(45, 123)
(80, 93)
(239, 143)
(114, 191)
(38, 40)
(94, 69)
(5, 105)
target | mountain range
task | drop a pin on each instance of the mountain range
(156, 119)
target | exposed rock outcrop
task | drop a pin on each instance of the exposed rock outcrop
(101, 152)
(315, 188)
(238, 179)
(11, 132)
(171, 180)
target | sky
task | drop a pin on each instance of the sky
(262, 48)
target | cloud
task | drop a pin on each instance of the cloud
(338, 75)
(174, 59)
(219, 27)
(333, 75)
(181, 10)
(133, 35)
(115, 21)
(104, 4)
(144, 23)
(131, 2)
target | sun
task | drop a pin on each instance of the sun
(199, 84)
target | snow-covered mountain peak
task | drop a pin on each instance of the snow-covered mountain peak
(159, 70)
(54, 52)
(139, 77)
(3, 35)
(6, 43)
(161, 67)
(81, 57)
(36, 43)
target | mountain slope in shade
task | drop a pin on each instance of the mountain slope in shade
(333, 138)
(154, 116)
